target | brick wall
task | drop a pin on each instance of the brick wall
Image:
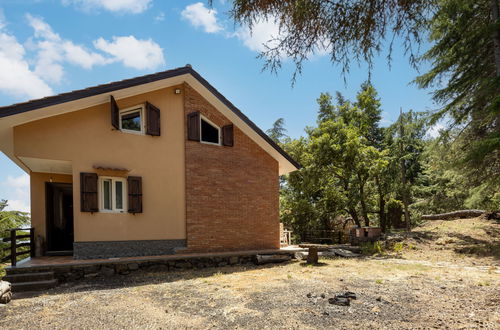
(232, 193)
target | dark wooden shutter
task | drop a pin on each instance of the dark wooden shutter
(115, 113)
(153, 120)
(134, 184)
(88, 192)
(227, 135)
(193, 126)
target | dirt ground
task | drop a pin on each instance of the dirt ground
(446, 276)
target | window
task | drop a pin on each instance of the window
(132, 120)
(112, 192)
(209, 132)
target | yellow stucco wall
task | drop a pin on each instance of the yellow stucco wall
(86, 138)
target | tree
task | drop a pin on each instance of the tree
(406, 144)
(8, 220)
(278, 132)
(344, 155)
(344, 29)
(466, 56)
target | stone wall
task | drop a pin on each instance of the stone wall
(114, 249)
(70, 273)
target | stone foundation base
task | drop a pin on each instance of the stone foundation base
(105, 268)
(116, 249)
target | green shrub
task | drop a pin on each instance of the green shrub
(371, 248)
(398, 247)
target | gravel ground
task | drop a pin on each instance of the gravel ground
(392, 293)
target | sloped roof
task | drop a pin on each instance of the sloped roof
(39, 104)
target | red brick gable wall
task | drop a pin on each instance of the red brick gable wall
(232, 193)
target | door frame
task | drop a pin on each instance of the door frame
(49, 186)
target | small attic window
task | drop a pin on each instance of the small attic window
(210, 133)
(132, 120)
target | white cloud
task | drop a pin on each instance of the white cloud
(16, 77)
(18, 205)
(19, 182)
(435, 130)
(200, 16)
(132, 52)
(266, 33)
(263, 33)
(26, 71)
(17, 192)
(53, 51)
(119, 6)
(160, 17)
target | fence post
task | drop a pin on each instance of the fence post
(32, 242)
(13, 256)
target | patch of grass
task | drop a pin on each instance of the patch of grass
(398, 247)
(379, 281)
(485, 283)
(371, 248)
(412, 267)
(289, 276)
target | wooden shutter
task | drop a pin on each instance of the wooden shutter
(88, 192)
(152, 119)
(134, 184)
(115, 113)
(227, 135)
(193, 126)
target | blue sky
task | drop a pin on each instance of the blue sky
(53, 46)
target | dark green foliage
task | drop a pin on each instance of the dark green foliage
(278, 132)
(466, 76)
(8, 220)
(353, 169)
(347, 30)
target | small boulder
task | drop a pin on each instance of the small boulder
(5, 292)
(107, 271)
(121, 268)
(133, 266)
(340, 301)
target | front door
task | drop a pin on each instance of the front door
(60, 235)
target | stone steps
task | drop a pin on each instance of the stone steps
(31, 281)
(34, 286)
(29, 277)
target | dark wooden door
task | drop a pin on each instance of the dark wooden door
(59, 206)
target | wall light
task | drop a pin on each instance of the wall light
(177, 91)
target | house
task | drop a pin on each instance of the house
(152, 165)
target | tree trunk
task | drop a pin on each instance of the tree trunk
(364, 212)
(454, 215)
(403, 173)
(495, 13)
(381, 206)
(354, 216)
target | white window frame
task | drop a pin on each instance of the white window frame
(140, 108)
(218, 130)
(113, 195)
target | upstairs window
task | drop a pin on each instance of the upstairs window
(132, 120)
(112, 192)
(210, 133)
